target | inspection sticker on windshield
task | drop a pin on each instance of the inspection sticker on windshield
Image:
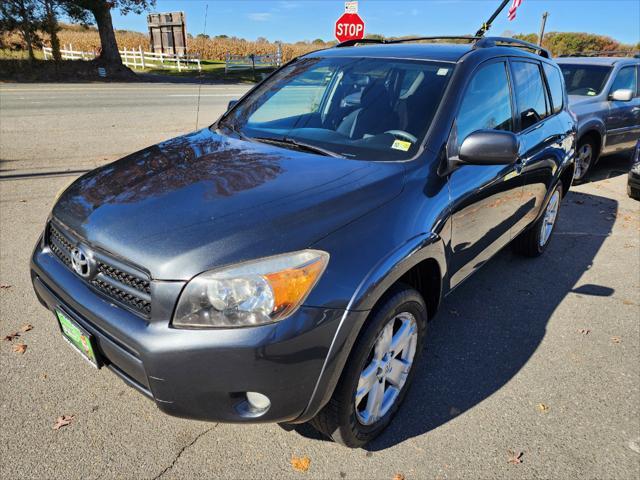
(401, 145)
(442, 72)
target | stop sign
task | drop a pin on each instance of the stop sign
(349, 27)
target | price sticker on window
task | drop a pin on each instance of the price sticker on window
(401, 145)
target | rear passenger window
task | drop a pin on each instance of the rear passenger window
(556, 86)
(486, 103)
(530, 94)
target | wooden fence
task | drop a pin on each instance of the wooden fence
(136, 58)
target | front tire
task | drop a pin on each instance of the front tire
(587, 157)
(378, 372)
(534, 241)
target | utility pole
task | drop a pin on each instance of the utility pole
(542, 25)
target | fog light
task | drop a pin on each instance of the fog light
(258, 401)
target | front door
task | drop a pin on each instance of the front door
(623, 118)
(486, 200)
(543, 135)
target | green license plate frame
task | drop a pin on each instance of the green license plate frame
(76, 336)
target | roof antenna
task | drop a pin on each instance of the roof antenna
(204, 31)
(487, 25)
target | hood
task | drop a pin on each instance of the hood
(204, 200)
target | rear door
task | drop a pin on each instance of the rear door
(485, 199)
(623, 118)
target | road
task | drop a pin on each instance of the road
(533, 356)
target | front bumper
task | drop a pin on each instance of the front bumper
(200, 374)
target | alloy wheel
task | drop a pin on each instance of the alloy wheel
(583, 162)
(387, 368)
(550, 215)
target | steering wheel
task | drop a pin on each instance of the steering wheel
(403, 134)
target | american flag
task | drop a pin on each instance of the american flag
(513, 8)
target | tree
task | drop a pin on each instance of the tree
(82, 10)
(50, 24)
(567, 43)
(21, 15)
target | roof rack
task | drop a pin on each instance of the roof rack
(486, 42)
(351, 43)
(478, 42)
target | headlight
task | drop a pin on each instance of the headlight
(251, 293)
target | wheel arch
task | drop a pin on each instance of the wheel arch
(417, 263)
(595, 131)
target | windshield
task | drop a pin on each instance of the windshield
(586, 80)
(364, 108)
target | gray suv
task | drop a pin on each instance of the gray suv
(605, 95)
(282, 264)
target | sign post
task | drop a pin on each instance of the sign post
(349, 26)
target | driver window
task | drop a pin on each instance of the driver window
(486, 103)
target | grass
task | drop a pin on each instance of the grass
(15, 66)
(212, 71)
(9, 54)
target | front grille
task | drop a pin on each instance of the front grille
(130, 288)
(122, 296)
(125, 278)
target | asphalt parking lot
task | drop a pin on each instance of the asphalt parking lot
(538, 357)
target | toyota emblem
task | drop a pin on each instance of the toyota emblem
(80, 262)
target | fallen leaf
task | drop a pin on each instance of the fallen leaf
(19, 348)
(616, 339)
(515, 457)
(398, 476)
(11, 336)
(584, 331)
(628, 302)
(4, 286)
(26, 327)
(63, 421)
(542, 407)
(300, 464)
(453, 411)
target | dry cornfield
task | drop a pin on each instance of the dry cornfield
(87, 40)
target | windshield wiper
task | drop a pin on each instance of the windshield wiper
(290, 142)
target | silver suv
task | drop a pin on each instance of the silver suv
(605, 95)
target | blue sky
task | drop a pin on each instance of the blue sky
(292, 20)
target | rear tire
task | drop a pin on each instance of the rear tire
(534, 241)
(349, 420)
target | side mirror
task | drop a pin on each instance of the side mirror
(489, 147)
(622, 95)
(232, 103)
